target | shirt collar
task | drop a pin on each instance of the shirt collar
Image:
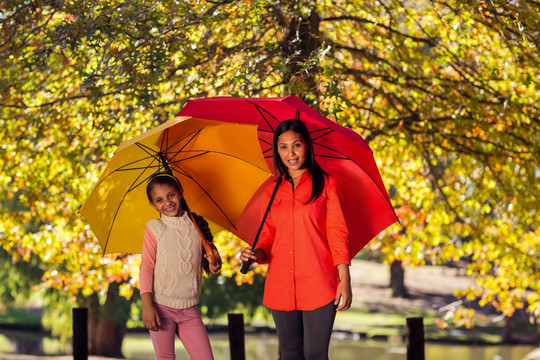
(306, 175)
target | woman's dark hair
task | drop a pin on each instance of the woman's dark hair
(317, 173)
(164, 178)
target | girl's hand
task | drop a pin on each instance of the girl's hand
(256, 255)
(344, 291)
(214, 269)
(150, 316)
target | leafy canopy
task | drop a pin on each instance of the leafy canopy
(445, 92)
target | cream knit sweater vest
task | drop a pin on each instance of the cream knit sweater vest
(178, 271)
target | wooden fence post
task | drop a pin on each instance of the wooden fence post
(415, 339)
(80, 334)
(236, 336)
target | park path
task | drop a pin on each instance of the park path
(429, 287)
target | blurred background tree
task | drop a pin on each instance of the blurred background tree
(446, 93)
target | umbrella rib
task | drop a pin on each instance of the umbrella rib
(265, 153)
(190, 139)
(199, 153)
(327, 131)
(262, 110)
(265, 141)
(125, 166)
(143, 180)
(165, 139)
(345, 157)
(151, 154)
(205, 152)
(264, 130)
(207, 194)
(130, 188)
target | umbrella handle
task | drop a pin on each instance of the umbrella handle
(209, 250)
(247, 264)
(205, 243)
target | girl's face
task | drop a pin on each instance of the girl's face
(166, 199)
(293, 152)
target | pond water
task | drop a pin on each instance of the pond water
(264, 347)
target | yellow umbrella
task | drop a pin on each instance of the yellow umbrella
(219, 164)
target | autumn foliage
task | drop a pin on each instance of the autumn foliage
(445, 92)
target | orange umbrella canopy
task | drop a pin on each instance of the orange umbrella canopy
(220, 166)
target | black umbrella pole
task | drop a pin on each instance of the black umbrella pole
(247, 264)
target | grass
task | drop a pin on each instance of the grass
(17, 316)
(390, 325)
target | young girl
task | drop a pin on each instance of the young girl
(171, 272)
(305, 242)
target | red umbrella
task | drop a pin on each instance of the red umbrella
(339, 150)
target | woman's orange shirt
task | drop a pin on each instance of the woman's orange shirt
(303, 243)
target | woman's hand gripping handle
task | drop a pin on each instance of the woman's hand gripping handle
(248, 256)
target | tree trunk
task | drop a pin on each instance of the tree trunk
(107, 323)
(397, 280)
(507, 334)
(301, 38)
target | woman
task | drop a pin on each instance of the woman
(305, 242)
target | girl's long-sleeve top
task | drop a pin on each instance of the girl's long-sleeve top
(303, 243)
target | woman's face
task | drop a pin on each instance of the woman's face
(166, 199)
(293, 151)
